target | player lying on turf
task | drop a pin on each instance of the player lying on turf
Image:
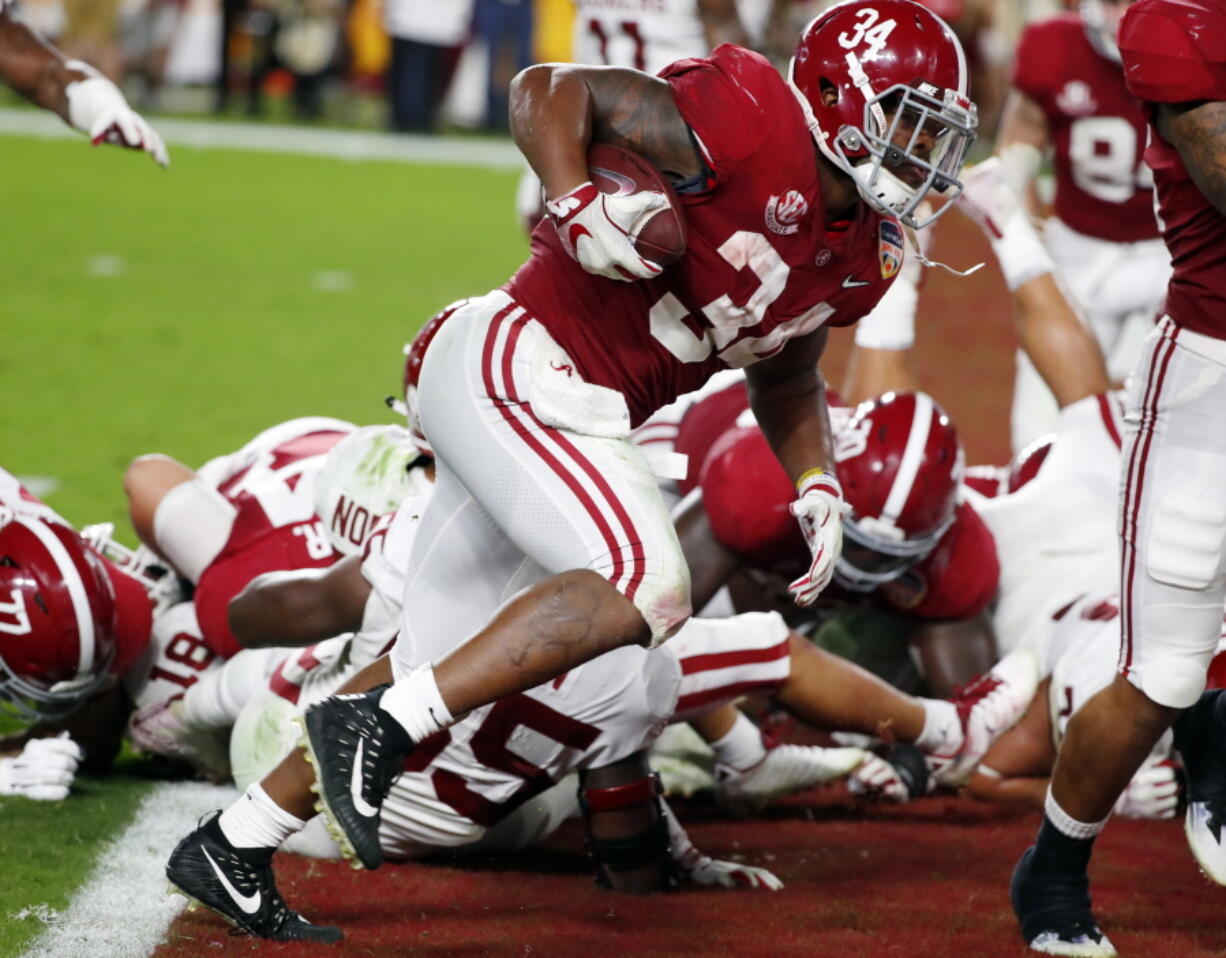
(1080, 654)
(82, 96)
(93, 655)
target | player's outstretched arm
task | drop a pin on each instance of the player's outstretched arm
(75, 91)
(789, 400)
(1017, 768)
(1198, 132)
(1024, 138)
(299, 607)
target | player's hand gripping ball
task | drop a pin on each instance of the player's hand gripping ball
(626, 222)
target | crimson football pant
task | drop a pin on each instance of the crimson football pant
(536, 476)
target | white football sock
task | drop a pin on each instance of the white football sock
(415, 702)
(215, 700)
(741, 746)
(256, 821)
(1068, 825)
(942, 732)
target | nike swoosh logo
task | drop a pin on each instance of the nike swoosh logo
(625, 185)
(574, 233)
(250, 904)
(355, 784)
(850, 282)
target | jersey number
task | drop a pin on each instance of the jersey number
(676, 330)
(631, 30)
(868, 31)
(1103, 153)
(189, 651)
(489, 746)
(283, 494)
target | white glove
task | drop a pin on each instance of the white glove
(598, 229)
(877, 779)
(819, 509)
(1152, 793)
(702, 870)
(44, 770)
(96, 107)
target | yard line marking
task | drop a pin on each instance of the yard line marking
(486, 153)
(124, 908)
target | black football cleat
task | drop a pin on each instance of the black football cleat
(1201, 741)
(357, 750)
(238, 884)
(1053, 909)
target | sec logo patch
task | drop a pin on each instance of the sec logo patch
(889, 248)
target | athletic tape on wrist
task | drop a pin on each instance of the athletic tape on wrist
(819, 480)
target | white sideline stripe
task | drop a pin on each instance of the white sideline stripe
(124, 909)
(266, 138)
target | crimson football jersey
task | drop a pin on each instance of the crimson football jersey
(274, 528)
(1097, 129)
(761, 265)
(1174, 51)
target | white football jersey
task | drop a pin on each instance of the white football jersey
(1082, 657)
(173, 661)
(1056, 536)
(643, 34)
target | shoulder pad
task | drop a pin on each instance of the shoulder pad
(1174, 51)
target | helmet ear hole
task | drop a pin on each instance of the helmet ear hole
(830, 92)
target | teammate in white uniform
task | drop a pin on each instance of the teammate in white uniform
(1080, 654)
(83, 97)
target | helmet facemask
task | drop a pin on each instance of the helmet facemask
(875, 551)
(886, 150)
(31, 702)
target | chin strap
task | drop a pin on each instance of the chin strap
(925, 261)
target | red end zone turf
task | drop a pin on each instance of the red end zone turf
(929, 879)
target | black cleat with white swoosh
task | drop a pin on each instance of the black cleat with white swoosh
(238, 884)
(357, 749)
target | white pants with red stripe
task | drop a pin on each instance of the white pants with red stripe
(1173, 514)
(536, 475)
(724, 659)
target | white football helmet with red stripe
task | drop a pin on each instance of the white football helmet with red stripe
(58, 619)
(901, 464)
(885, 91)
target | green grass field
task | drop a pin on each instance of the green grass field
(206, 325)
(214, 326)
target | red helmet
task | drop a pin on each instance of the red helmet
(58, 619)
(900, 463)
(414, 356)
(1027, 463)
(901, 121)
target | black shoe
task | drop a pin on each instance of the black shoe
(238, 884)
(1053, 909)
(357, 750)
(1199, 737)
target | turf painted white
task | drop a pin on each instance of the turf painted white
(267, 138)
(124, 908)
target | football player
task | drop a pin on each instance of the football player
(83, 97)
(1069, 100)
(1080, 660)
(527, 395)
(1172, 511)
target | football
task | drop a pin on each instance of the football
(659, 236)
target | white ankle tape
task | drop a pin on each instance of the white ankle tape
(1068, 825)
(415, 702)
(741, 746)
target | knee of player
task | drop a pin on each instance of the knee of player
(147, 480)
(1172, 681)
(667, 607)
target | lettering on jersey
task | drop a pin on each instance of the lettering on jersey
(890, 248)
(1076, 99)
(350, 522)
(19, 624)
(784, 213)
